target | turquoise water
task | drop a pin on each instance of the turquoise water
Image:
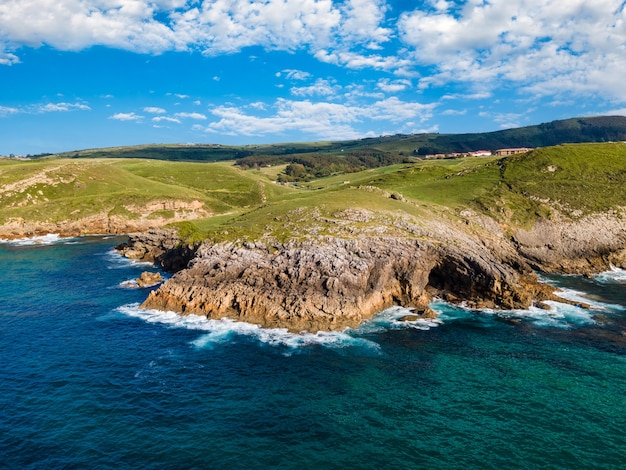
(88, 380)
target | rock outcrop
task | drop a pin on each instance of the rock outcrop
(586, 246)
(339, 280)
(162, 247)
(335, 283)
(148, 279)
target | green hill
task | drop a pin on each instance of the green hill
(222, 200)
(384, 148)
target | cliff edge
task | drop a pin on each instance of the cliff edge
(333, 282)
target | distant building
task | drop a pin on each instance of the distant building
(505, 152)
(480, 153)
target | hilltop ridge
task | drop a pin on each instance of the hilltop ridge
(573, 130)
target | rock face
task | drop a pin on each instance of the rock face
(160, 246)
(148, 279)
(586, 246)
(337, 281)
(334, 284)
(301, 286)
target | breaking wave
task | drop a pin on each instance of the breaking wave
(49, 239)
(224, 331)
(614, 275)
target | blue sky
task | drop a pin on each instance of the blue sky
(78, 74)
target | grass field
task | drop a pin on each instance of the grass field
(245, 204)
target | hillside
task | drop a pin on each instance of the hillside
(573, 180)
(118, 195)
(575, 130)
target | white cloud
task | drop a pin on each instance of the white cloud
(62, 107)
(126, 117)
(197, 116)
(77, 24)
(294, 74)
(362, 22)
(547, 46)
(537, 47)
(393, 86)
(8, 58)
(165, 118)
(453, 112)
(154, 110)
(321, 87)
(316, 119)
(5, 110)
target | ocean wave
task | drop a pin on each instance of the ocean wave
(391, 319)
(223, 331)
(614, 275)
(116, 261)
(580, 297)
(559, 315)
(49, 239)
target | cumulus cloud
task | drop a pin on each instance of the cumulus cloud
(197, 116)
(546, 46)
(126, 117)
(154, 110)
(6, 110)
(321, 87)
(211, 26)
(316, 119)
(538, 47)
(8, 58)
(165, 118)
(292, 74)
(62, 107)
(77, 24)
(393, 86)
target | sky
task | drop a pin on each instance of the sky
(77, 74)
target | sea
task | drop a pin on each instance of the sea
(90, 380)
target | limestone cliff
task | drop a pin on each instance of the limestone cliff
(331, 283)
(585, 246)
(162, 247)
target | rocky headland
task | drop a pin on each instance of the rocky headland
(342, 279)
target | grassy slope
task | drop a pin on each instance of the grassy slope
(60, 189)
(575, 179)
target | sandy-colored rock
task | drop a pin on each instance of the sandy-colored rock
(586, 246)
(148, 279)
(334, 283)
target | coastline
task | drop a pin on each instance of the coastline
(328, 283)
(333, 282)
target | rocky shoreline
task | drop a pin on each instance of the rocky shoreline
(334, 282)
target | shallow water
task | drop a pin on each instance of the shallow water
(89, 380)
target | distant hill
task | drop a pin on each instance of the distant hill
(575, 130)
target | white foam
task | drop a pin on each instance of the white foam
(390, 320)
(129, 284)
(611, 276)
(560, 315)
(583, 298)
(49, 239)
(117, 261)
(223, 331)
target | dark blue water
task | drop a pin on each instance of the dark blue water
(89, 381)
